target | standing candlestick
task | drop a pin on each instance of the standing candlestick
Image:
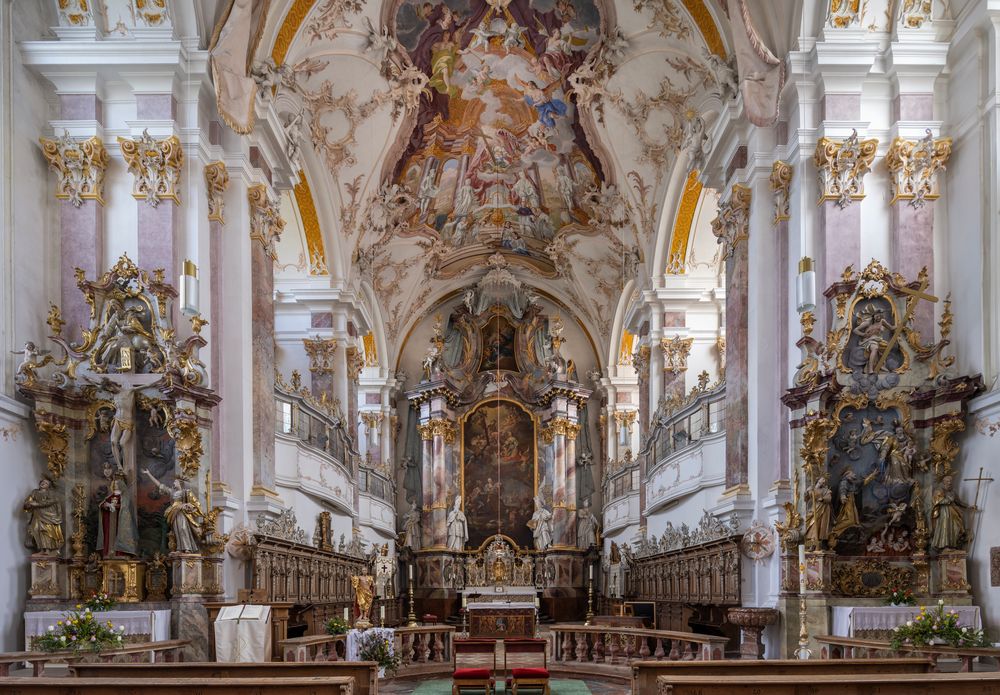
(590, 600)
(411, 619)
(381, 615)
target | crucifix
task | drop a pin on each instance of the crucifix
(911, 303)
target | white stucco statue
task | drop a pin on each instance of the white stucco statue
(458, 527)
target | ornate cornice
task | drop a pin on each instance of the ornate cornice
(320, 352)
(841, 166)
(845, 13)
(216, 181)
(438, 428)
(156, 166)
(266, 224)
(781, 181)
(913, 167)
(559, 426)
(80, 166)
(75, 13)
(675, 353)
(732, 226)
(625, 418)
(371, 418)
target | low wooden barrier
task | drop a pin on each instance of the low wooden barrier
(421, 648)
(314, 648)
(178, 686)
(646, 673)
(162, 651)
(836, 684)
(364, 673)
(612, 645)
(849, 647)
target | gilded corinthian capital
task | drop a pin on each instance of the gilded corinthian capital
(80, 166)
(675, 353)
(156, 166)
(321, 352)
(914, 166)
(216, 182)
(781, 182)
(841, 166)
(266, 224)
(732, 226)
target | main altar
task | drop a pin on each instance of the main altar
(494, 480)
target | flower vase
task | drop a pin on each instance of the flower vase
(381, 672)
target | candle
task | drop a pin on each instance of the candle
(465, 601)
(381, 612)
(347, 615)
(802, 569)
(590, 571)
(410, 567)
(537, 602)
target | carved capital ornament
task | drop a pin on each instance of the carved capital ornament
(216, 182)
(781, 181)
(156, 166)
(732, 226)
(841, 167)
(913, 168)
(80, 166)
(266, 224)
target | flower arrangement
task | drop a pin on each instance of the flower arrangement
(937, 625)
(80, 631)
(336, 626)
(901, 597)
(375, 644)
(99, 602)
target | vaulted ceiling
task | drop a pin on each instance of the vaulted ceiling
(439, 133)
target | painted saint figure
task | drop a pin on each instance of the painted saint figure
(184, 514)
(458, 527)
(45, 519)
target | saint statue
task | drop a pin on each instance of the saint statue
(896, 453)
(871, 325)
(117, 532)
(946, 515)
(45, 519)
(184, 514)
(586, 527)
(540, 525)
(364, 593)
(411, 527)
(847, 517)
(458, 527)
(818, 525)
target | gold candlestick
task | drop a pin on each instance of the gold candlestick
(411, 619)
(803, 652)
(590, 601)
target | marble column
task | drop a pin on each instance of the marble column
(559, 432)
(675, 357)
(731, 229)
(441, 481)
(355, 363)
(216, 184)
(79, 165)
(265, 230)
(780, 183)
(321, 353)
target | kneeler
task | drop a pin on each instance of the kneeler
(469, 678)
(534, 677)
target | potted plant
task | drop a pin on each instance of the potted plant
(336, 626)
(80, 631)
(376, 644)
(901, 597)
(937, 626)
(98, 603)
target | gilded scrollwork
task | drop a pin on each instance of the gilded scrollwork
(216, 182)
(675, 353)
(732, 226)
(156, 166)
(914, 166)
(266, 224)
(781, 182)
(841, 166)
(438, 428)
(53, 440)
(183, 428)
(80, 166)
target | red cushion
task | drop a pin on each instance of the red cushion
(460, 673)
(529, 672)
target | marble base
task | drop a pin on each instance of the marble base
(49, 577)
(190, 622)
(195, 577)
(950, 573)
(819, 572)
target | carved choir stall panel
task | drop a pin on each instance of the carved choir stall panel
(875, 499)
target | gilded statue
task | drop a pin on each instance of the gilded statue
(184, 514)
(45, 519)
(896, 453)
(847, 517)
(818, 523)
(364, 593)
(946, 517)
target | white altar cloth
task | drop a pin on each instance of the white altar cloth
(243, 634)
(848, 620)
(155, 624)
(352, 640)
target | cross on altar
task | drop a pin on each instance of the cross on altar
(979, 481)
(914, 296)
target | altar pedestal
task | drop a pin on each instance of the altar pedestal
(501, 620)
(950, 573)
(49, 577)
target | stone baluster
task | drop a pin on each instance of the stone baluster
(567, 647)
(598, 655)
(658, 653)
(581, 646)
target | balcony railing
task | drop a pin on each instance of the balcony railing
(315, 423)
(683, 422)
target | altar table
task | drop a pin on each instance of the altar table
(877, 622)
(501, 620)
(140, 626)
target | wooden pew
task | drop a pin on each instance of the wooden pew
(364, 673)
(833, 684)
(848, 647)
(162, 651)
(314, 648)
(178, 686)
(646, 673)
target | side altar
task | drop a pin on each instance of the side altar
(876, 503)
(123, 418)
(500, 477)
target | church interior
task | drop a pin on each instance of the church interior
(579, 347)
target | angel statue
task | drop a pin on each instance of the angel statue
(184, 514)
(364, 593)
(33, 359)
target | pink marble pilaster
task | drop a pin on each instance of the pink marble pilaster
(913, 250)
(262, 335)
(215, 343)
(82, 238)
(673, 384)
(780, 413)
(737, 412)
(158, 238)
(840, 241)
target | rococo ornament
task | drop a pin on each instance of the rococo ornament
(156, 166)
(841, 167)
(732, 226)
(320, 352)
(914, 166)
(80, 166)
(438, 428)
(781, 182)
(183, 428)
(216, 182)
(266, 224)
(758, 542)
(675, 353)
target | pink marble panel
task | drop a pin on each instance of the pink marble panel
(82, 239)
(262, 336)
(80, 107)
(673, 384)
(373, 398)
(780, 413)
(840, 235)
(150, 107)
(913, 250)
(914, 107)
(215, 342)
(737, 409)
(321, 319)
(157, 237)
(673, 319)
(841, 107)
(623, 397)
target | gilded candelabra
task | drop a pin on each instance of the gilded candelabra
(803, 652)
(411, 619)
(590, 601)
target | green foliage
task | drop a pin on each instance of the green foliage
(336, 626)
(99, 602)
(939, 625)
(375, 644)
(80, 631)
(901, 597)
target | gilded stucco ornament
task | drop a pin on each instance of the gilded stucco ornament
(156, 166)
(845, 13)
(675, 353)
(915, 13)
(732, 226)
(914, 166)
(438, 428)
(80, 166)
(216, 182)
(75, 13)
(53, 440)
(183, 428)
(321, 352)
(781, 181)
(266, 224)
(841, 167)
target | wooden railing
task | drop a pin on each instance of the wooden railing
(621, 645)
(302, 574)
(850, 647)
(424, 645)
